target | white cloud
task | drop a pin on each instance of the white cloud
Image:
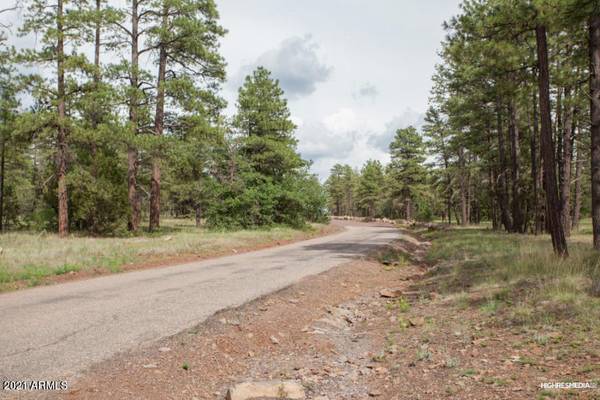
(295, 62)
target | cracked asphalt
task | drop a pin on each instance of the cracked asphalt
(55, 332)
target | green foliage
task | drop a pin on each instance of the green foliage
(341, 187)
(370, 188)
(270, 184)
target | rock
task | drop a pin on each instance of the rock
(164, 349)
(149, 366)
(270, 389)
(274, 340)
(390, 293)
(416, 321)
(375, 393)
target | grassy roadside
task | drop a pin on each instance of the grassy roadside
(516, 279)
(30, 259)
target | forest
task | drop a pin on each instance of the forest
(512, 133)
(115, 118)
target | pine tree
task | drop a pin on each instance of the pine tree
(61, 25)
(407, 172)
(186, 37)
(263, 118)
(371, 188)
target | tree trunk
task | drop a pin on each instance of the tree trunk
(159, 119)
(464, 217)
(513, 130)
(557, 132)
(594, 48)
(535, 175)
(61, 162)
(135, 215)
(565, 181)
(503, 182)
(95, 113)
(469, 199)
(552, 201)
(449, 187)
(198, 211)
(408, 206)
(578, 194)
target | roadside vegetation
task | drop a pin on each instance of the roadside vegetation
(29, 259)
(515, 278)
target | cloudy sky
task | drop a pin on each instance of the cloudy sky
(353, 70)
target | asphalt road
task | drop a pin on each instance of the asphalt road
(55, 332)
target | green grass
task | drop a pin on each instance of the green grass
(517, 277)
(31, 257)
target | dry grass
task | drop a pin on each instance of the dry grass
(32, 256)
(518, 277)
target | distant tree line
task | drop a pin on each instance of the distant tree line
(136, 130)
(513, 127)
(399, 190)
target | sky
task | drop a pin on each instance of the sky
(353, 71)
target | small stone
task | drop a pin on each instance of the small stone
(270, 389)
(390, 293)
(375, 393)
(149, 366)
(164, 349)
(274, 340)
(416, 321)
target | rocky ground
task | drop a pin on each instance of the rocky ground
(361, 330)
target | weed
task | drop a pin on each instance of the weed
(490, 307)
(468, 372)
(400, 304)
(451, 362)
(423, 354)
(66, 268)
